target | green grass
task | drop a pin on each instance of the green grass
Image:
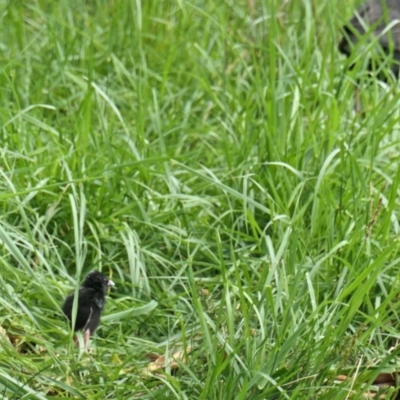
(238, 182)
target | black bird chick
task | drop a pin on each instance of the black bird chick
(381, 20)
(91, 300)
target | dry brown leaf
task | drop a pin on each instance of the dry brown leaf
(153, 356)
(22, 345)
(163, 362)
(4, 337)
(3, 334)
(384, 380)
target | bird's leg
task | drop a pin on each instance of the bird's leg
(86, 331)
(86, 338)
(77, 341)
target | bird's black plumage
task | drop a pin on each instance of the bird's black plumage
(91, 301)
(378, 19)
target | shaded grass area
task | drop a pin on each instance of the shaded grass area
(221, 163)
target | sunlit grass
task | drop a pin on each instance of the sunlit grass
(235, 179)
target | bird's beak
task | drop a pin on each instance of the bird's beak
(110, 283)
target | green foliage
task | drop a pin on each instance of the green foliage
(223, 164)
